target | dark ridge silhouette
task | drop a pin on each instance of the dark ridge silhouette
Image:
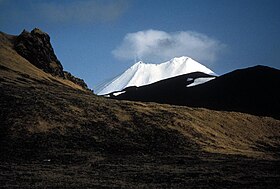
(253, 90)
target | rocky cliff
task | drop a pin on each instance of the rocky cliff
(35, 46)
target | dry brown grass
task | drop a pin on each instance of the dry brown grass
(214, 131)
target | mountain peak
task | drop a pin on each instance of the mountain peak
(38, 31)
(145, 73)
(138, 63)
(180, 58)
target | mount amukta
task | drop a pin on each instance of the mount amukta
(143, 73)
(55, 133)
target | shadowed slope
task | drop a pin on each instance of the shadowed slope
(252, 90)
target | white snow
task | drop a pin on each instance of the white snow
(118, 93)
(143, 74)
(199, 81)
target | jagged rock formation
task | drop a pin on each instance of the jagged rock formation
(35, 47)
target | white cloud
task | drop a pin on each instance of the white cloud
(156, 46)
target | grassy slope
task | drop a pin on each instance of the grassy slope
(13, 63)
(93, 142)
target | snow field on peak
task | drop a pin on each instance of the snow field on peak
(143, 74)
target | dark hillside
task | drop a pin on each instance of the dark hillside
(164, 91)
(254, 90)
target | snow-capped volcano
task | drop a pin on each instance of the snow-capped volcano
(143, 74)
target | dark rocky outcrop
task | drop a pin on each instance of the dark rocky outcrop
(35, 46)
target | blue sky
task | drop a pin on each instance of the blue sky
(98, 39)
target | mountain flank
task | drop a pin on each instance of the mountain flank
(252, 90)
(56, 134)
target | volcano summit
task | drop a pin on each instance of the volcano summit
(143, 74)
